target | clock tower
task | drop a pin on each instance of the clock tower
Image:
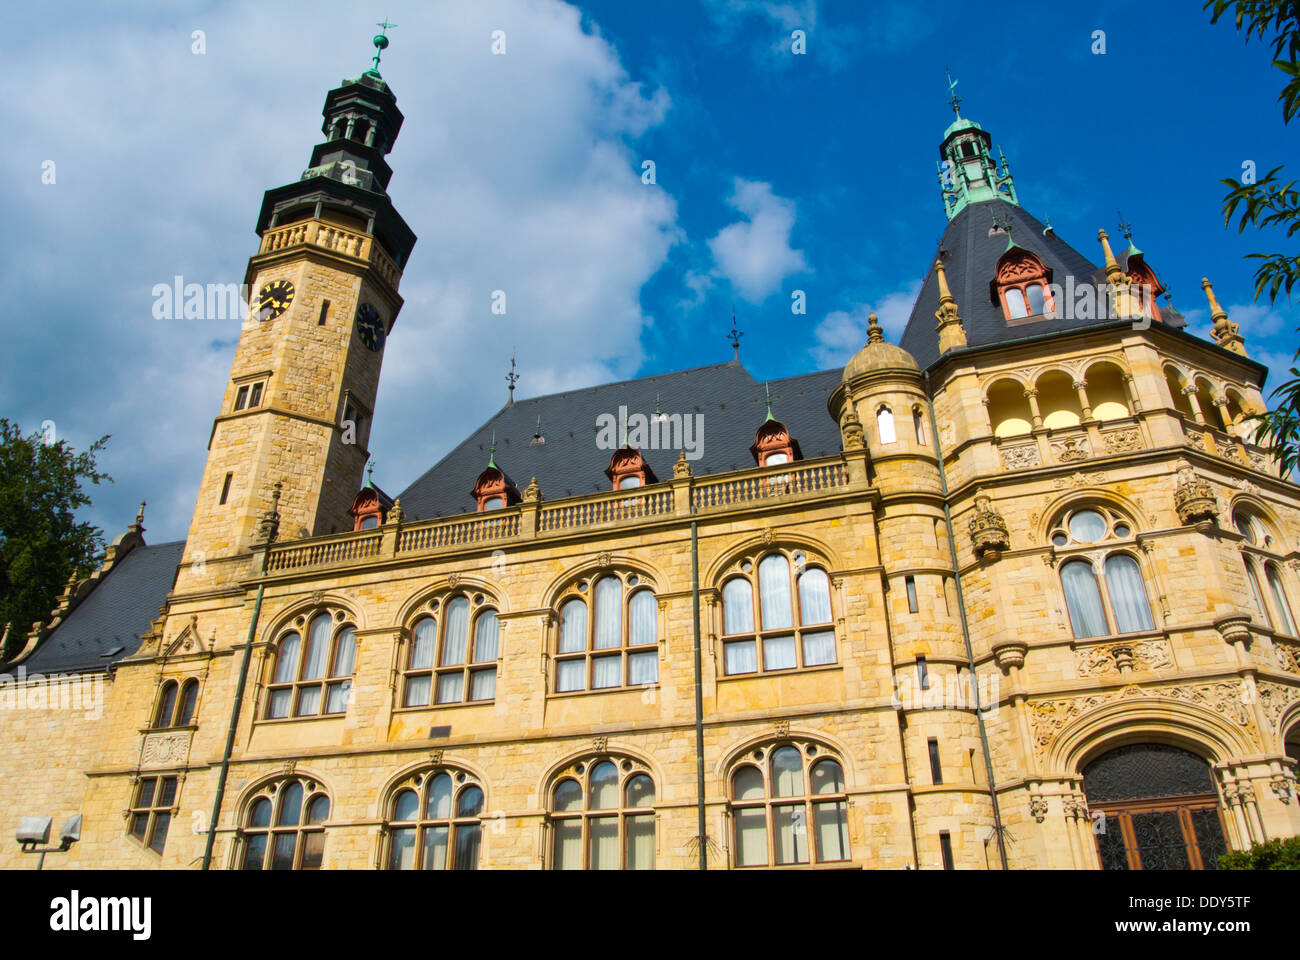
(324, 297)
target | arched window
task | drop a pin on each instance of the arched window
(284, 827)
(166, 704)
(1104, 592)
(610, 639)
(152, 808)
(434, 822)
(1022, 285)
(785, 624)
(315, 680)
(918, 424)
(1286, 622)
(602, 816)
(885, 422)
(788, 805)
(176, 703)
(1262, 552)
(1009, 411)
(453, 656)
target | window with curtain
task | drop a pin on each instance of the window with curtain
(607, 635)
(1263, 557)
(1083, 599)
(789, 806)
(314, 678)
(453, 652)
(1286, 622)
(885, 423)
(284, 827)
(776, 616)
(435, 821)
(1105, 593)
(602, 816)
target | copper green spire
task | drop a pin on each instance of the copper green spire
(967, 171)
(767, 392)
(492, 451)
(953, 100)
(381, 44)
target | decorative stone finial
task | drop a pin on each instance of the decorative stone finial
(1194, 498)
(951, 331)
(532, 492)
(1010, 653)
(1224, 331)
(875, 332)
(395, 512)
(268, 527)
(988, 531)
(851, 430)
(682, 468)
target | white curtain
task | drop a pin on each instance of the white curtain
(571, 675)
(435, 848)
(439, 806)
(1128, 596)
(1258, 594)
(451, 687)
(643, 668)
(573, 626)
(456, 626)
(486, 633)
(468, 839)
(741, 657)
(790, 827)
(832, 831)
(747, 784)
(827, 777)
(286, 665)
(778, 653)
(483, 684)
(406, 806)
(318, 645)
(1279, 599)
(640, 843)
(426, 634)
(417, 691)
(787, 772)
(814, 596)
(774, 592)
(609, 613)
(885, 422)
(818, 648)
(606, 672)
(1083, 599)
(402, 855)
(642, 613)
(604, 786)
(568, 844)
(738, 606)
(751, 837)
(345, 654)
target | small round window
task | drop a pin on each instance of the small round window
(1087, 526)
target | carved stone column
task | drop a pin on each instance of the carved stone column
(1032, 396)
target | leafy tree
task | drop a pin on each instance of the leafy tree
(1270, 203)
(41, 542)
(1271, 855)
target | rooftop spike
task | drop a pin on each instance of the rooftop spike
(767, 393)
(875, 332)
(512, 378)
(492, 451)
(734, 337)
(952, 333)
(380, 41)
(953, 100)
(1224, 331)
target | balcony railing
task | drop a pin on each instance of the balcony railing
(805, 480)
(332, 237)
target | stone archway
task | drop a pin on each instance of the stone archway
(1159, 809)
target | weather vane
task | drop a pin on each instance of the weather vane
(381, 42)
(734, 336)
(1125, 227)
(512, 378)
(953, 100)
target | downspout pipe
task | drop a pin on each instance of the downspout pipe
(965, 625)
(699, 694)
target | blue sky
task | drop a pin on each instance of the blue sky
(774, 172)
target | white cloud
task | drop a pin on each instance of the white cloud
(515, 171)
(842, 333)
(755, 254)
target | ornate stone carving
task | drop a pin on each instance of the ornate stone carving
(783, 728)
(604, 559)
(682, 468)
(1281, 788)
(1075, 808)
(1017, 458)
(1122, 441)
(948, 434)
(453, 580)
(988, 531)
(165, 749)
(1038, 807)
(1234, 629)
(435, 757)
(1010, 653)
(1226, 698)
(288, 767)
(1111, 658)
(1275, 698)
(850, 431)
(1071, 449)
(1288, 655)
(533, 493)
(1196, 440)
(1077, 479)
(599, 744)
(767, 536)
(1194, 498)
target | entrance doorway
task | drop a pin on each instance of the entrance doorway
(1159, 809)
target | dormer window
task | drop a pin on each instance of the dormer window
(773, 445)
(628, 469)
(1022, 286)
(493, 490)
(369, 507)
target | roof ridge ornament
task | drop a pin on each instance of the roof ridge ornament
(875, 332)
(952, 332)
(953, 100)
(512, 378)
(1224, 331)
(734, 336)
(380, 40)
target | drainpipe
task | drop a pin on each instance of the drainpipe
(274, 516)
(699, 695)
(965, 626)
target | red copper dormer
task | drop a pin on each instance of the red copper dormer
(1020, 285)
(494, 490)
(1141, 276)
(369, 507)
(627, 469)
(773, 444)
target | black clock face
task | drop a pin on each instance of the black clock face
(273, 299)
(370, 327)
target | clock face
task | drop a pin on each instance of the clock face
(370, 327)
(273, 299)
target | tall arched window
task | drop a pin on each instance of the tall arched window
(788, 806)
(1262, 554)
(610, 639)
(434, 822)
(885, 423)
(784, 624)
(918, 424)
(176, 704)
(284, 827)
(1286, 622)
(1022, 285)
(315, 679)
(1104, 591)
(602, 816)
(453, 655)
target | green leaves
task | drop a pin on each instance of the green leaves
(41, 542)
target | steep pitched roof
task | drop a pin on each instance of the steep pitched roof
(113, 616)
(972, 252)
(569, 463)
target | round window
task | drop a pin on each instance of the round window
(1087, 526)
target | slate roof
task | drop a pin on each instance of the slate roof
(114, 614)
(570, 464)
(970, 264)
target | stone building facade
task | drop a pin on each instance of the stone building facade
(1014, 594)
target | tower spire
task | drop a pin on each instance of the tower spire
(767, 393)
(952, 333)
(1224, 331)
(381, 44)
(492, 451)
(953, 100)
(734, 336)
(967, 171)
(512, 378)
